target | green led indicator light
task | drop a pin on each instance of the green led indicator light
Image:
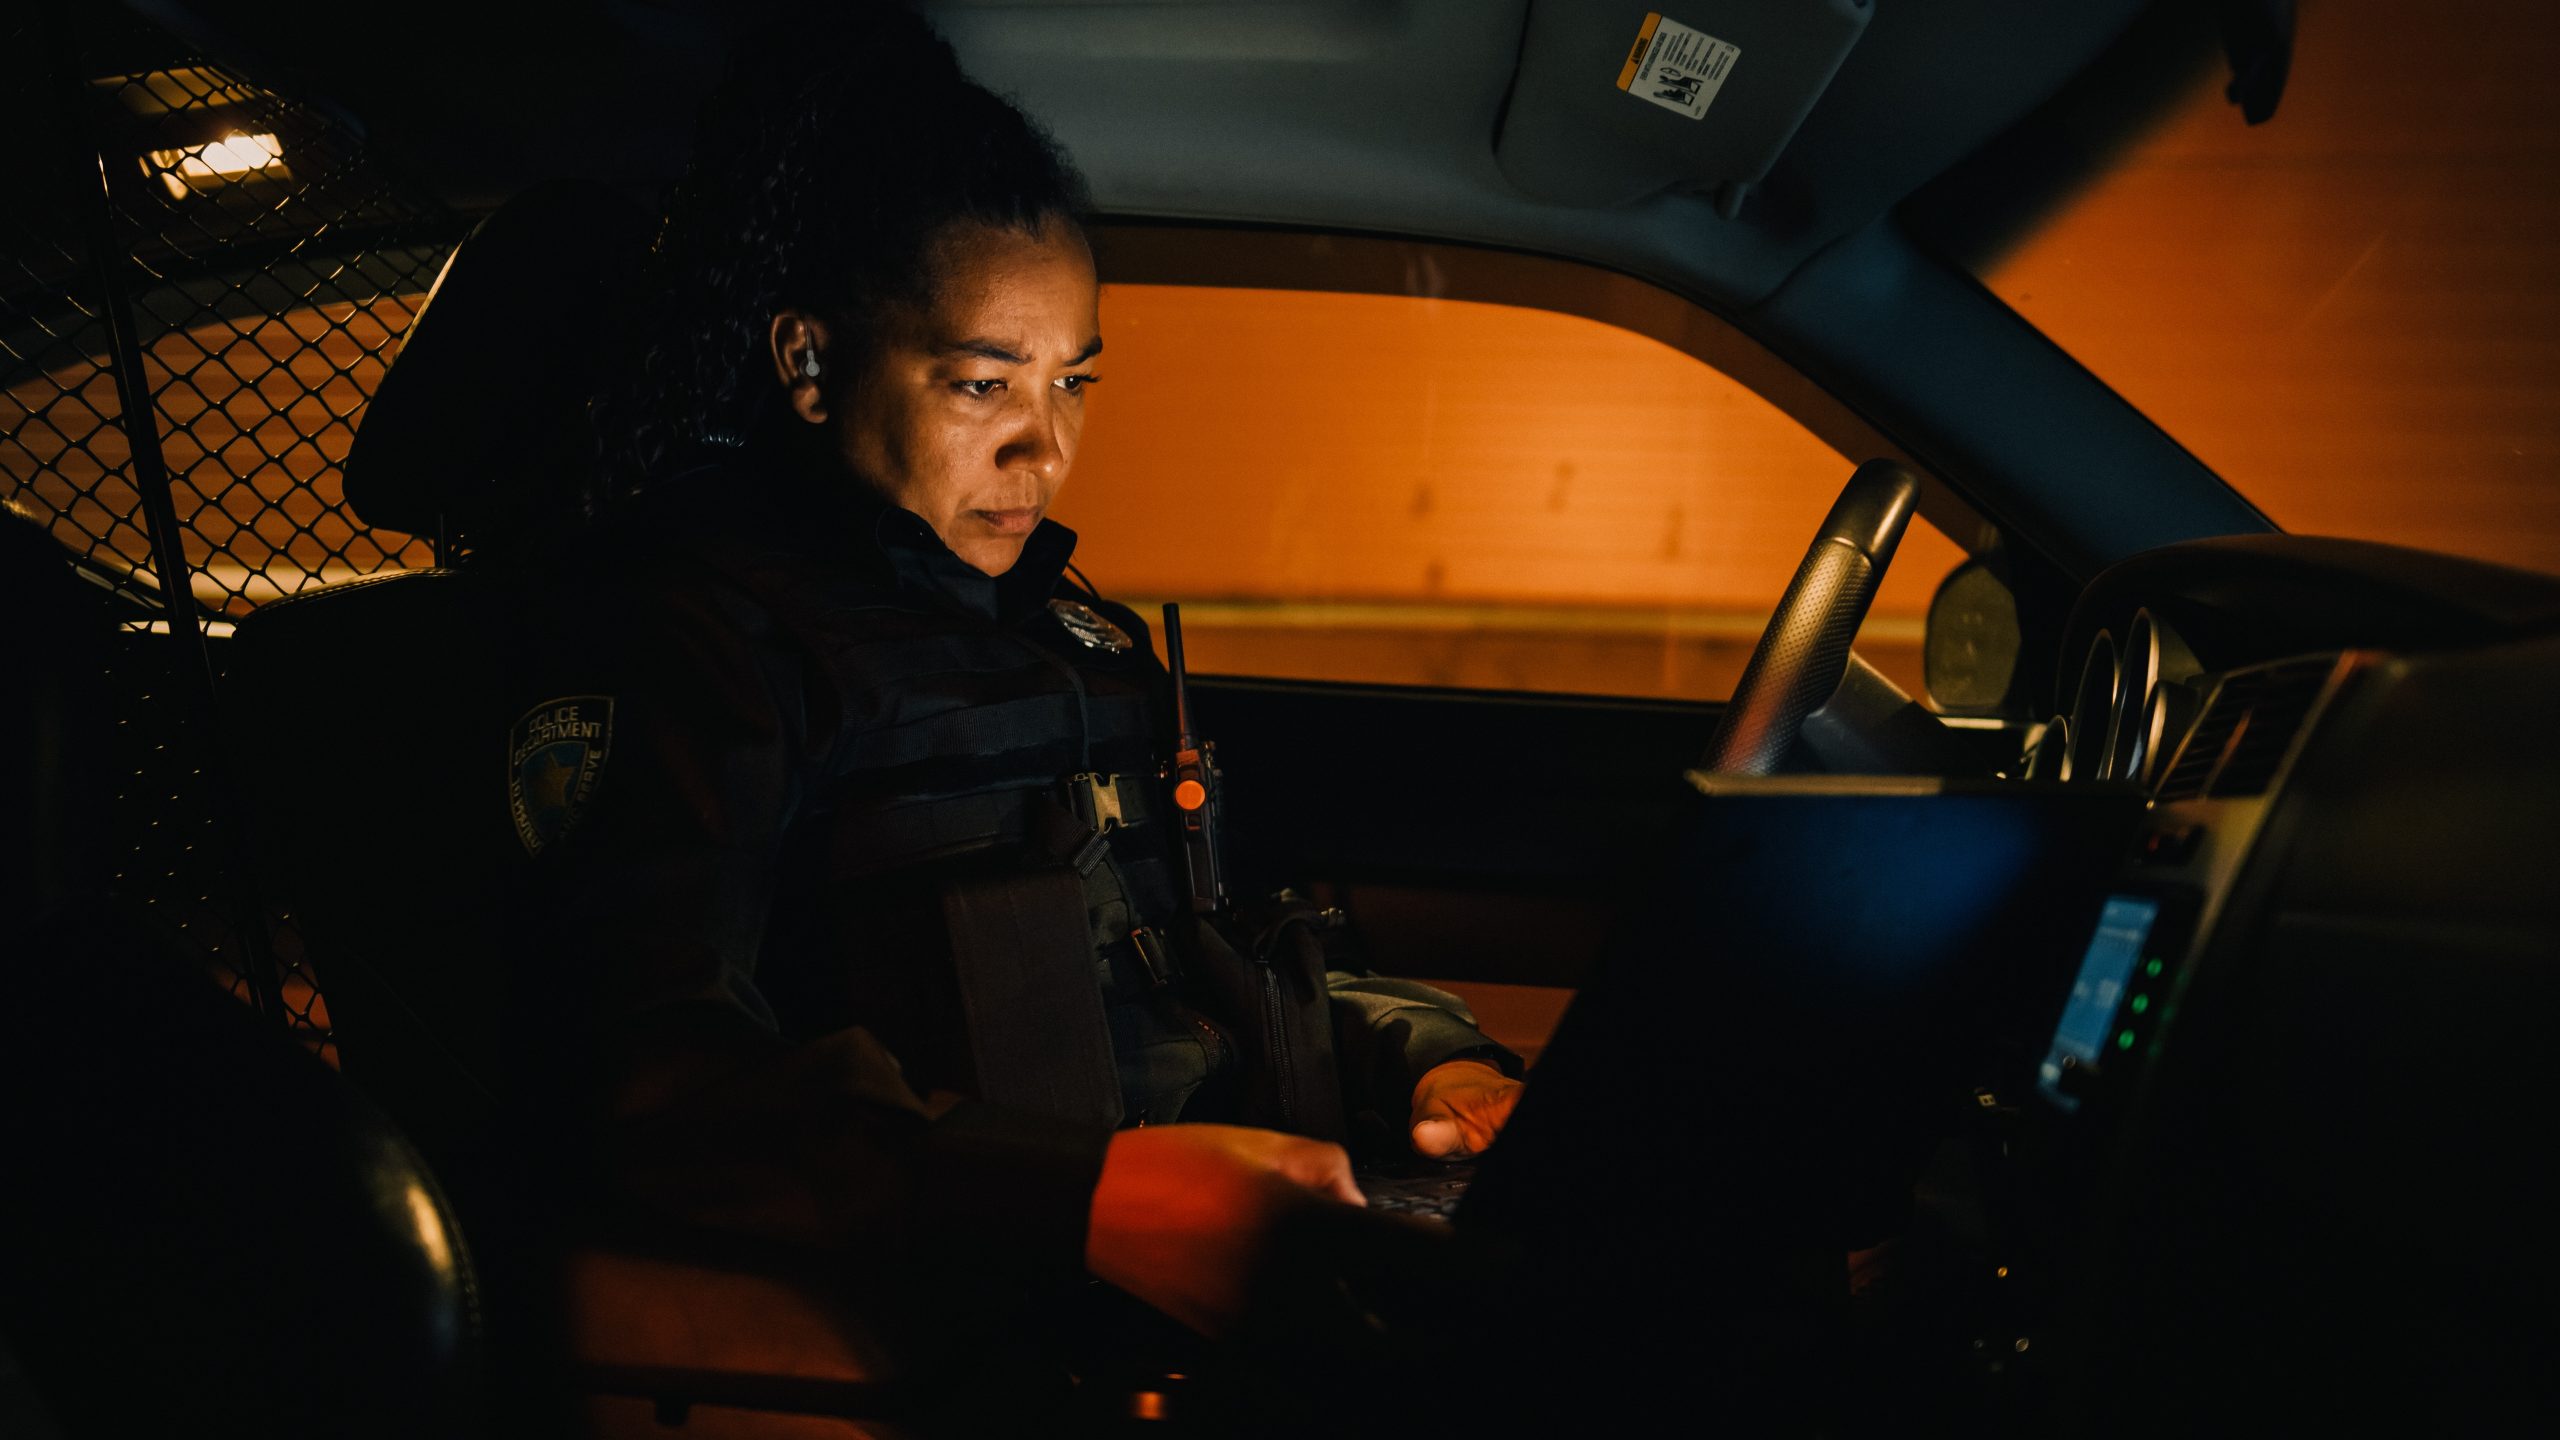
(2151, 968)
(2124, 1039)
(2141, 1003)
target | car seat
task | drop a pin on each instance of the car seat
(52, 739)
(203, 1229)
(206, 1231)
(369, 719)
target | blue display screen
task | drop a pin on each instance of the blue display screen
(2123, 926)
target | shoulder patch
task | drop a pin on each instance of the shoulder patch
(555, 752)
(1091, 626)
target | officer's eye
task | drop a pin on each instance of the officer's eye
(979, 388)
(1075, 384)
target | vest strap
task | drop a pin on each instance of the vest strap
(894, 836)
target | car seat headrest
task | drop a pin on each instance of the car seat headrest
(479, 431)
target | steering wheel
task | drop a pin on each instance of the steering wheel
(1804, 652)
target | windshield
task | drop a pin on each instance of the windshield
(2352, 311)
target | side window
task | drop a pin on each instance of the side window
(1397, 489)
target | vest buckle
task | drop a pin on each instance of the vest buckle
(1154, 954)
(1096, 799)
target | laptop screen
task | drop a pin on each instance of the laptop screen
(1819, 968)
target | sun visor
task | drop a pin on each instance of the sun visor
(1613, 102)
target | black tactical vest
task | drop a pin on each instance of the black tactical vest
(980, 871)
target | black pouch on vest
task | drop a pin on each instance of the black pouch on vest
(1037, 1038)
(1284, 1021)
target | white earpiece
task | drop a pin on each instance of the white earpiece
(809, 363)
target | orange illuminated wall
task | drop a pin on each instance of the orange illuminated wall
(1403, 489)
(2352, 311)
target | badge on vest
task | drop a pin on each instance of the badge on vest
(554, 754)
(1091, 626)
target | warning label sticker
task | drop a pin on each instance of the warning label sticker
(1676, 67)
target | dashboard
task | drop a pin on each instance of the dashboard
(2266, 1146)
(2138, 691)
(2149, 638)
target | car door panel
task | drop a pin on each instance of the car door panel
(1472, 835)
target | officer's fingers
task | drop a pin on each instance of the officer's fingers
(1470, 1128)
(1460, 1107)
(1323, 1169)
(1345, 1189)
(1436, 1133)
(1485, 1110)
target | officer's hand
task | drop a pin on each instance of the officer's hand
(1182, 1213)
(1459, 1106)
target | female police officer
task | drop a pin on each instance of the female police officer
(872, 901)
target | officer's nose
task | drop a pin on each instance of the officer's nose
(1039, 443)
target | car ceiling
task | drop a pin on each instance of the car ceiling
(1375, 115)
(1382, 116)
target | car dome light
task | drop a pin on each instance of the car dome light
(200, 167)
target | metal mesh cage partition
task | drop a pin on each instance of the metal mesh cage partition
(273, 273)
(266, 272)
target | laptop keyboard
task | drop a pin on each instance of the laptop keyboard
(1426, 1189)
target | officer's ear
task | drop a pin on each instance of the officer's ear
(798, 341)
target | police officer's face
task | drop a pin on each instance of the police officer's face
(970, 412)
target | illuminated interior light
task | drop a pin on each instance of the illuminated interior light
(2141, 1003)
(2151, 968)
(2124, 1039)
(198, 167)
(430, 1225)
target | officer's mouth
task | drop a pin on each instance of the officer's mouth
(1008, 522)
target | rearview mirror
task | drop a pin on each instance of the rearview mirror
(1969, 655)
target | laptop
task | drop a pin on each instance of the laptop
(1811, 969)
(1786, 1010)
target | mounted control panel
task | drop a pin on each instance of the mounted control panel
(2121, 993)
(2160, 909)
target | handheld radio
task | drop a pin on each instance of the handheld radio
(1195, 783)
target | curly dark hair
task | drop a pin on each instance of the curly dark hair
(840, 144)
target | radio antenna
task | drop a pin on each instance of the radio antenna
(1184, 738)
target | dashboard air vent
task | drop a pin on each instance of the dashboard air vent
(2244, 734)
(2203, 750)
